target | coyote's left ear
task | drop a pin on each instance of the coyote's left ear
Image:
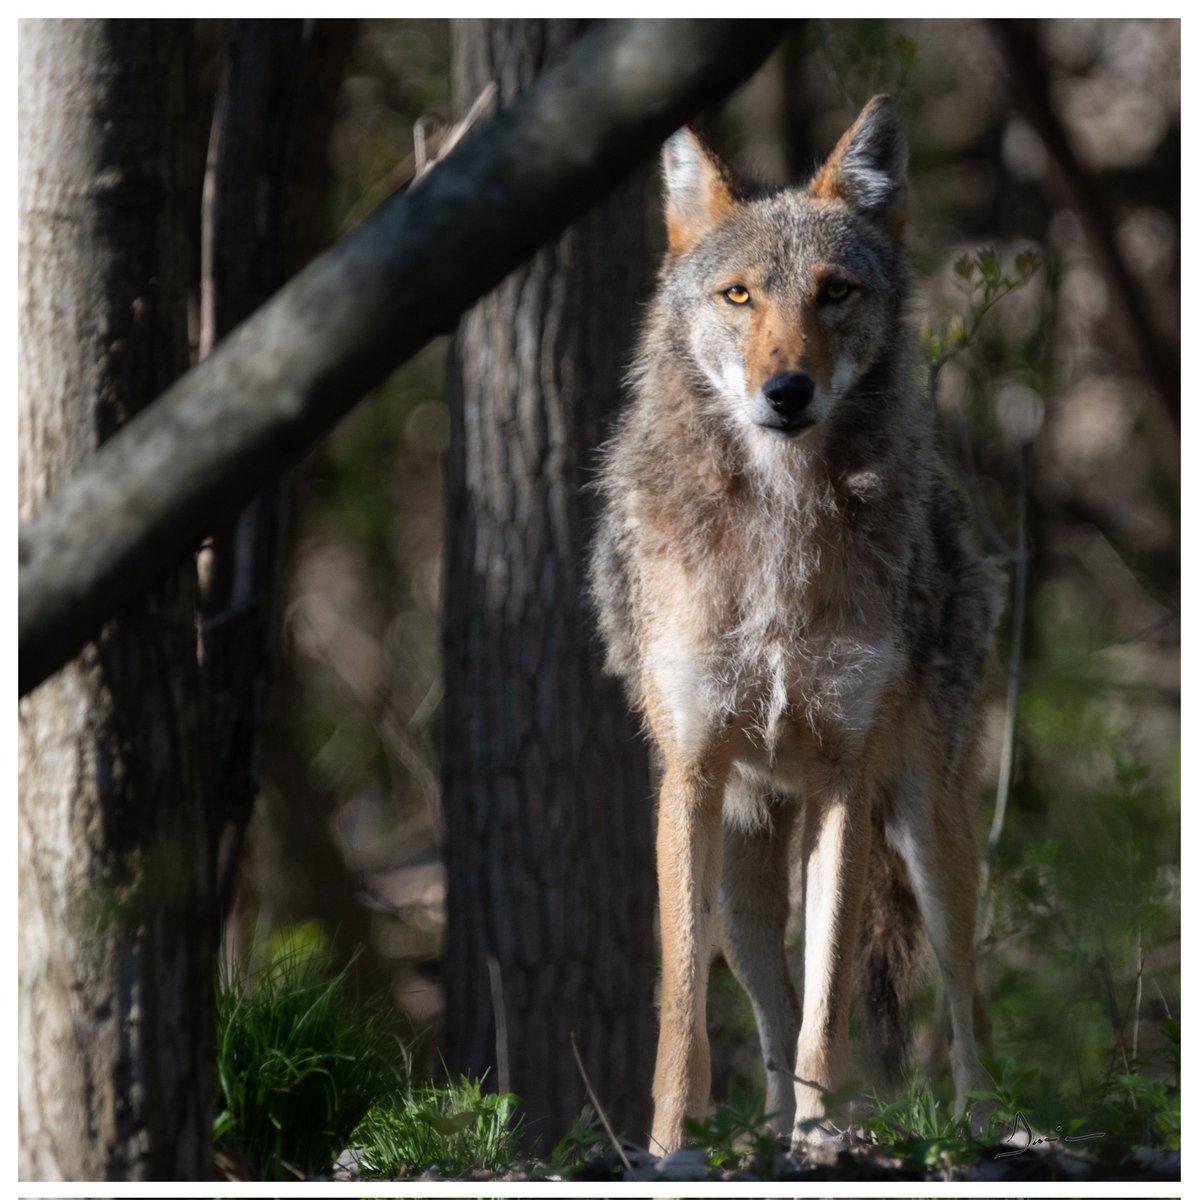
(867, 169)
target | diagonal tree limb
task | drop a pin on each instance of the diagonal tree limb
(286, 375)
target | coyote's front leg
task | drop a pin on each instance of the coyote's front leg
(689, 859)
(837, 830)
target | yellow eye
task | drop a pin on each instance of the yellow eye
(836, 289)
(737, 294)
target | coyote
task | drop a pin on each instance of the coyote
(783, 583)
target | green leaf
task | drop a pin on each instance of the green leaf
(988, 264)
(1027, 263)
(449, 1125)
(964, 266)
(905, 51)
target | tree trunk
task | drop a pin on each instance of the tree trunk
(116, 919)
(546, 790)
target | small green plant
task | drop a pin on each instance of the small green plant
(458, 1128)
(918, 1113)
(584, 1142)
(1105, 1119)
(738, 1136)
(1086, 893)
(1141, 1110)
(299, 1061)
(984, 281)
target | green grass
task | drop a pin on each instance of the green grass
(580, 1147)
(923, 1130)
(299, 1062)
(304, 1070)
(458, 1128)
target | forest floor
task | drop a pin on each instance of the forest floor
(864, 1163)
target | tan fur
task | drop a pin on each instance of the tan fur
(784, 586)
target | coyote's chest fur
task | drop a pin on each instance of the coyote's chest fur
(777, 623)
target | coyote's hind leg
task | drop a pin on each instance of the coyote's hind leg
(940, 854)
(753, 913)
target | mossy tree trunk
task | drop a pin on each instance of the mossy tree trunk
(547, 800)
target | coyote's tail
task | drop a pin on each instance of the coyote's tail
(889, 955)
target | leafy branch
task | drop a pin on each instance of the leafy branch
(981, 277)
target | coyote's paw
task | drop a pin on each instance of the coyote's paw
(981, 1112)
(815, 1137)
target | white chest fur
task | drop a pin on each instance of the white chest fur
(774, 694)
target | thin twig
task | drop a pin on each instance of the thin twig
(430, 144)
(978, 501)
(422, 714)
(501, 1024)
(482, 105)
(773, 1066)
(1136, 1011)
(420, 158)
(1008, 753)
(599, 1108)
(826, 46)
(1162, 997)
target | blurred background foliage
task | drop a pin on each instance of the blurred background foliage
(1066, 394)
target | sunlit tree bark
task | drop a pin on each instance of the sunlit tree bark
(116, 916)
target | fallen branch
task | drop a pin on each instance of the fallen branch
(284, 377)
(599, 1108)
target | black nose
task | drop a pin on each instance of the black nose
(789, 393)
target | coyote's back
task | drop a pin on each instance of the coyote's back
(782, 581)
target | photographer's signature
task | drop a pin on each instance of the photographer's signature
(1021, 1123)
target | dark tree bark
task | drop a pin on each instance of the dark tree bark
(546, 793)
(117, 921)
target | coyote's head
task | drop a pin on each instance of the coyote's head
(784, 301)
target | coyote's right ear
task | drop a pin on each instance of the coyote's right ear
(700, 189)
